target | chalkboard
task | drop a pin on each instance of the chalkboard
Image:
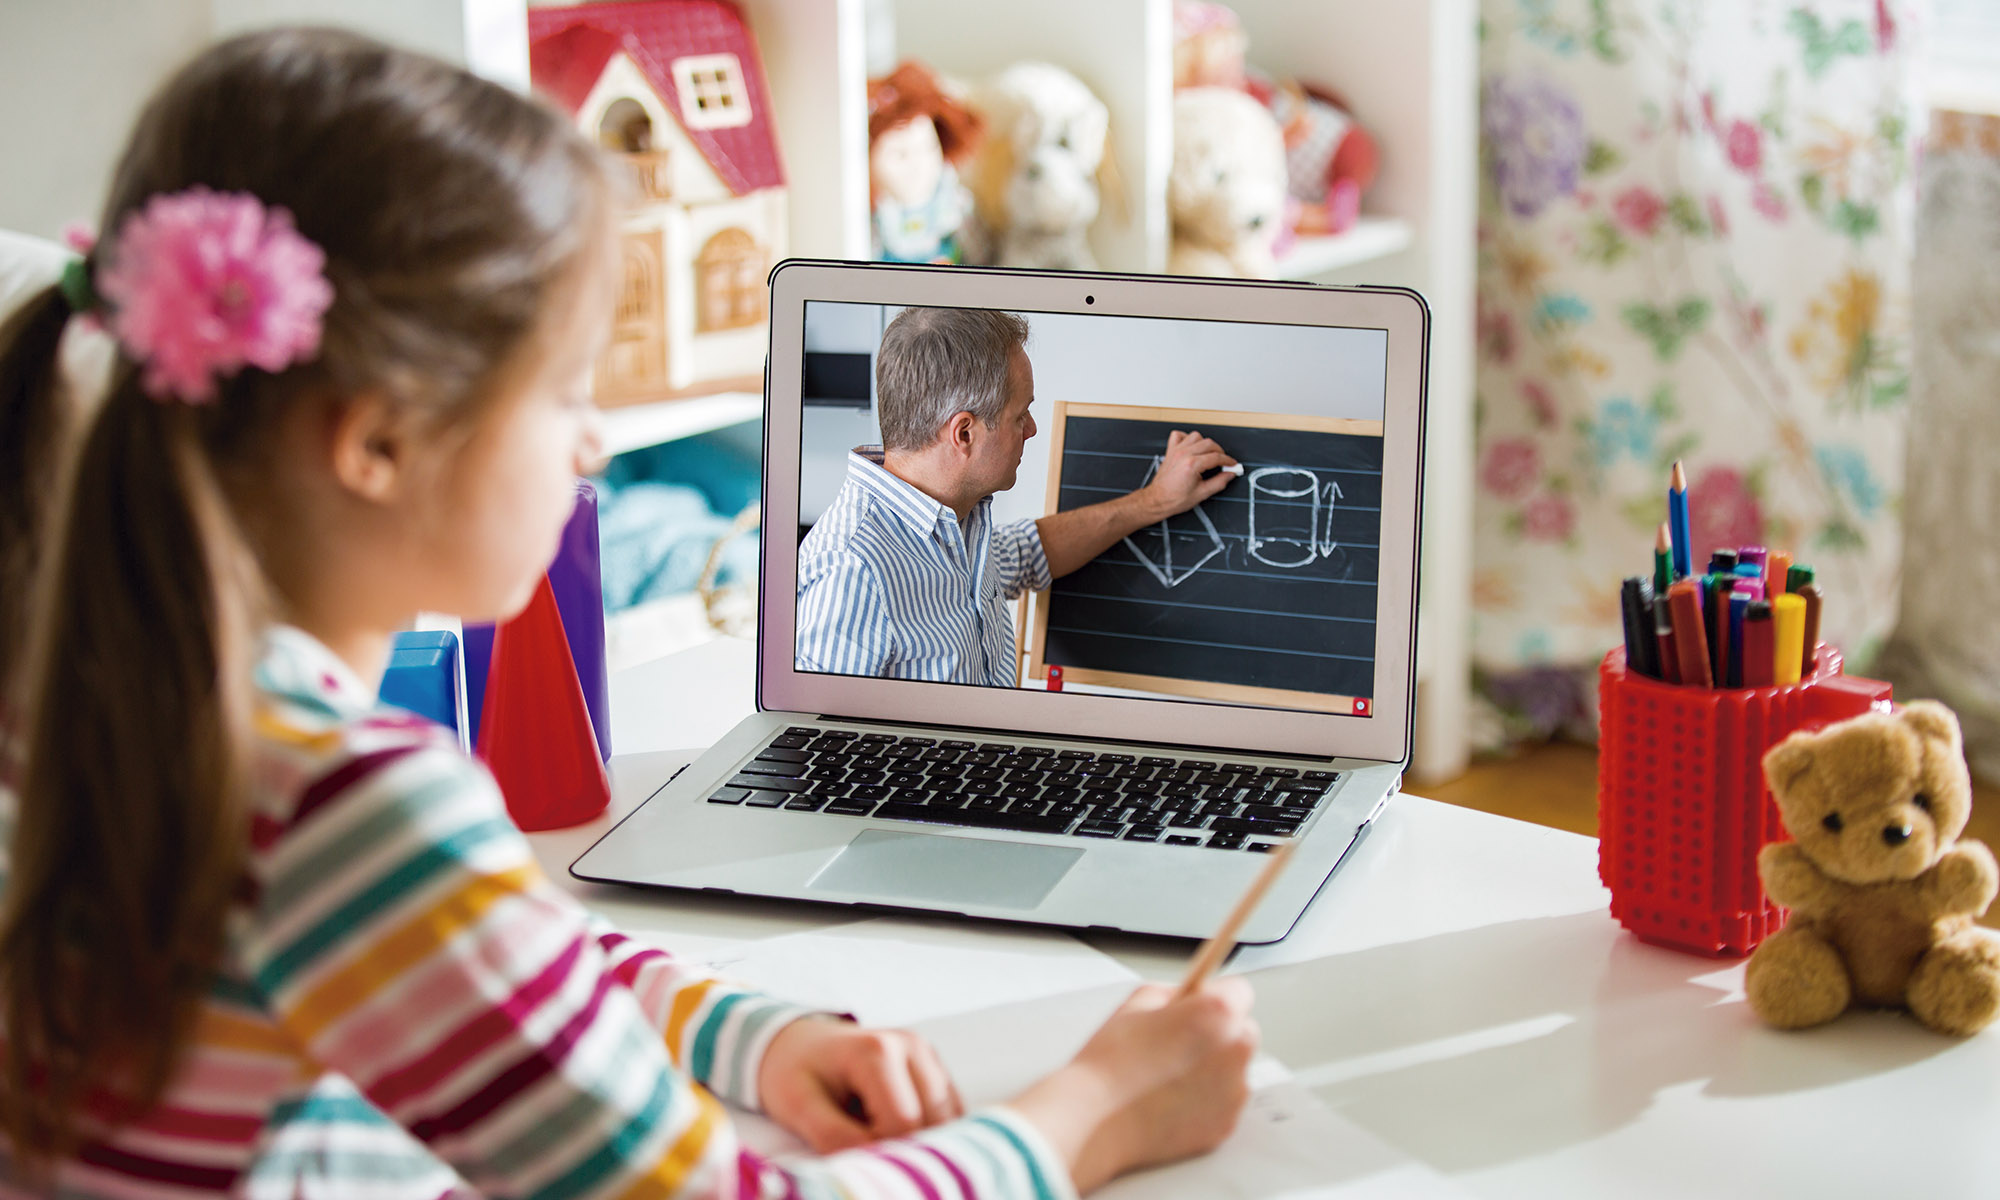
(1264, 593)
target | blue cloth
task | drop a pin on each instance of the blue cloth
(655, 538)
(891, 585)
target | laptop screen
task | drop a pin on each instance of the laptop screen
(1170, 509)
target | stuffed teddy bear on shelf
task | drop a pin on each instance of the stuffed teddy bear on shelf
(1883, 895)
(1226, 187)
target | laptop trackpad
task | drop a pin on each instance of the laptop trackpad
(919, 866)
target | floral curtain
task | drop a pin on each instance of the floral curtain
(1695, 230)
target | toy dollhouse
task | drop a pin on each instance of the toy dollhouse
(676, 89)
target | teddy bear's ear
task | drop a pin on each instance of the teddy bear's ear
(1788, 761)
(1932, 720)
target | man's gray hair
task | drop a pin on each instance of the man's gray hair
(937, 362)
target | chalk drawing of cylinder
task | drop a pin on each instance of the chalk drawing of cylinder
(1284, 517)
(1328, 493)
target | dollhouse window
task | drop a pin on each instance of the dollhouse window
(729, 282)
(713, 94)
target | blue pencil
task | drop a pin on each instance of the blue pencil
(1739, 607)
(1677, 523)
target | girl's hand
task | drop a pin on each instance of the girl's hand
(837, 1085)
(1163, 1079)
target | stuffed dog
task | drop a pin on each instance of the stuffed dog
(1036, 180)
(1226, 189)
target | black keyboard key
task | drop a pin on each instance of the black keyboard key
(904, 779)
(1175, 839)
(866, 775)
(760, 767)
(806, 803)
(1154, 760)
(987, 804)
(1287, 772)
(869, 791)
(828, 789)
(850, 808)
(1261, 847)
(1142, 787)
(1018, 822)
(922, 743)
(1099, 829)
(1218, 808)
(1097, 767)
(763, 799)
(778, 783)
(803, 731)
(1217, 779)
(1021, 791)
(1226, 841)
(1321, 776)
(985, 773)
(1255, 825)
(791, 741)
(841, 735)
(958, 745)
(1034, 752)
(1144, 833)
(1187, 821)
(1030, 806)
(878, 737)
(1197, 764)
(1116, 758)
(979, 758)
(1095, 783)
(1081, 755)
(901, 753)
(997, 747)
(780, 754)
(1069, 809)
(729, 795)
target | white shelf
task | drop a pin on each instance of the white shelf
(1370, 239)
(642, 425)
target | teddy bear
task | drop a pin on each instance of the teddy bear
(1038, 176)
(1226, 187)
(1882, 893)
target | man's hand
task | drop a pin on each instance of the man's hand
(1179, 484)
(837, 1085)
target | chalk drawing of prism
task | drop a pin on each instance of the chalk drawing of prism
(1291, 517)
(1174, 549)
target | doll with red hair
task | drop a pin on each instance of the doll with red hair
(918, 136)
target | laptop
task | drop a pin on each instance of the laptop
(1120, 748)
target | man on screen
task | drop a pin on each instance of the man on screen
(905, 576)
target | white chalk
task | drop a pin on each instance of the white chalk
(1234, 468)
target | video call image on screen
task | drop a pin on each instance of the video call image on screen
(1032, 552)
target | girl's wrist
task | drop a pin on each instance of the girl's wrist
(1073, 1108)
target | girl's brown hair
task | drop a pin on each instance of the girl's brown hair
(454, 214)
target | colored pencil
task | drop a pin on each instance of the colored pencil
(1809, 656)
(1752, 554)
(1642, 652)
(1663, 562)
(1739, 604)
(1777, 573)
(1722, 562)
(1759, 649)
(1715, 601)
(1690, 638)
(1799, 576)
(1788, 631)
(1217, 948)
(1663, 634)
(1677, 517)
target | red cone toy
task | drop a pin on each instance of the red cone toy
(534, 730)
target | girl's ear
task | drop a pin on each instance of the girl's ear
(368, 446)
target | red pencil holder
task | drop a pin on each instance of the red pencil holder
(1682, 807)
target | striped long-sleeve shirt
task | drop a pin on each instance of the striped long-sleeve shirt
(890, 584)
(407, 1007)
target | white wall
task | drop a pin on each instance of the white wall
(1130, 360)
(74, 75)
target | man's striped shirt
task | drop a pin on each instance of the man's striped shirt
(407, 1007)
(890, 584)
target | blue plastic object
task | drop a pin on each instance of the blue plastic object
(423, 677)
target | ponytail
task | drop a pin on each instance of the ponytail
(132, 829)
(30, 425)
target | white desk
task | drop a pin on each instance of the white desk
(1471, 1002)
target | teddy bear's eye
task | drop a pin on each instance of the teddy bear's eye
(1922, 800)
(1832, 822)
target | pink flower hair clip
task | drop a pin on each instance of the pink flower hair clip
(202, 283)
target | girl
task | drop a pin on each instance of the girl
(260, 937)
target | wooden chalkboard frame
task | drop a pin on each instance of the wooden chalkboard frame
(1035, 630)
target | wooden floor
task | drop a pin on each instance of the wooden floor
(1556, 784)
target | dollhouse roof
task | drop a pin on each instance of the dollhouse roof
(569, 47)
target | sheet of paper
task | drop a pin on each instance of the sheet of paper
(897, 971)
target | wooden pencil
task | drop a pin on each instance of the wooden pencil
(1217, 948)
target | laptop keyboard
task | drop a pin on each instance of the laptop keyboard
(1029, 789)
